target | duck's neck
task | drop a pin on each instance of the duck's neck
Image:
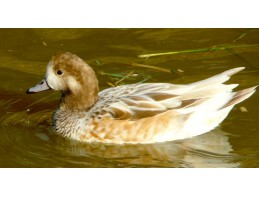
(79, 101)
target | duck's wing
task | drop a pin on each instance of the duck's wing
(140, 100)
(149, 99)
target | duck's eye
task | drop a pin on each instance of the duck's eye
(59, 72)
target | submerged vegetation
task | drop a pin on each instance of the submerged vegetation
(121, 78)
(209, 49)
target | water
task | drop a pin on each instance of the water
(25, 137)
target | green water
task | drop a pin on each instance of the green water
(25, 137)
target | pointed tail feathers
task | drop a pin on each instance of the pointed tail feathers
(232, 71)
(217, 79)
(240, 96)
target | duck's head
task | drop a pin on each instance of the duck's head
(69, 74)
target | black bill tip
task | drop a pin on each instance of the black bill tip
(29, 92)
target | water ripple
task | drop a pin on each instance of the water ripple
(37, 147)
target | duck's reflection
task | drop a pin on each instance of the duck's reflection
(208, 150)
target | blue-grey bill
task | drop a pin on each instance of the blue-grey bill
(42, 86)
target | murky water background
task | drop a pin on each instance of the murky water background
(25, 137)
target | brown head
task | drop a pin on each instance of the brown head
(69, 74)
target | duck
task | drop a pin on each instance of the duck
(139, 113)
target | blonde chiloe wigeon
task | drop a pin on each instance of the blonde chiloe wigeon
(135, 113)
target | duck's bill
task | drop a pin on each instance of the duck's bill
(42, 86)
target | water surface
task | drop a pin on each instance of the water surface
(25, 137)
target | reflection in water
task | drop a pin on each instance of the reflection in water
(208, 150)
(34, 147)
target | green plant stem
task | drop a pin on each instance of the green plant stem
(214, 48)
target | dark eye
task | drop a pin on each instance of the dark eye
(59, 72)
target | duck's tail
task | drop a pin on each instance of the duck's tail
(217, 79)
(236, 97)
(232, 71)
(240, 96)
